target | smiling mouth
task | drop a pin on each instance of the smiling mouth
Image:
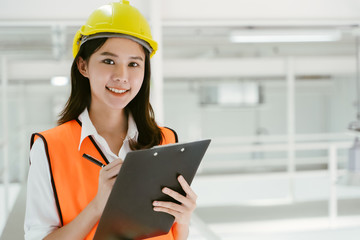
(114, 90)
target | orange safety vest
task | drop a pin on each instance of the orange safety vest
(75, 180)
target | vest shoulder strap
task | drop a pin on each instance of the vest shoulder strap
(71, 128)
(169, 135)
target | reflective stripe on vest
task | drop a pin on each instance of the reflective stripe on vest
(74, 180)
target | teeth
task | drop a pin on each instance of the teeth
(116, 90)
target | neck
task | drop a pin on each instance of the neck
(108, 121)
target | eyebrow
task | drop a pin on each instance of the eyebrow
(114, 55)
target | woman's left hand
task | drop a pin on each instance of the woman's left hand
(182, 212)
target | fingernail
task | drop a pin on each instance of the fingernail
(155, 203)
(165, 190)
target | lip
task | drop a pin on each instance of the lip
(116, 90)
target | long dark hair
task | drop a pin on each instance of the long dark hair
(80, 98)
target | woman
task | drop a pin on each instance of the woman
(107, 115)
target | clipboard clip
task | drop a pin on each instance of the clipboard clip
(181, 150)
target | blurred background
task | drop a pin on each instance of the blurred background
(274, 84)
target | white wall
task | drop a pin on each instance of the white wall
(321, 106)
(190, 10)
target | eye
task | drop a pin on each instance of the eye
(133, 64)
(109, 61)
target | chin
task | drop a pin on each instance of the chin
(117, 106)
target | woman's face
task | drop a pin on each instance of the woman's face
(116, 72)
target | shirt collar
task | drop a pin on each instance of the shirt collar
(88, 129)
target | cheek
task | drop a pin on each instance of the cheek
(97, 78)
(93, 84)
(137, 86)
(137, 82)
(96, 87)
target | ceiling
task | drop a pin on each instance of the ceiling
(191, 30)
(178, 42)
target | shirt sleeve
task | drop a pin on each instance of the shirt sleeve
(41, 216)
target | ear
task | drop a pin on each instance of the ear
(82, 66)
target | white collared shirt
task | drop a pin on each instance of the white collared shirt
(41, 217)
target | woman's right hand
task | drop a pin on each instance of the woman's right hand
(80, 227)
(106, 181)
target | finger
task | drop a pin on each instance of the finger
(169, 205)
(175, 195)
(176, 214)
(187, 201)
(113, 164)
(186, 187)
(113, 172)
(112, 182)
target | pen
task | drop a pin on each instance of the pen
(88, 157)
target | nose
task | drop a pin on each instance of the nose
(121, 73)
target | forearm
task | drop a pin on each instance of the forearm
(78, 228)
(181, 231)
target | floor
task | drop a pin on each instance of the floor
(14, 195)
(249, 207)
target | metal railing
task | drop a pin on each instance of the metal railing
(332, 149)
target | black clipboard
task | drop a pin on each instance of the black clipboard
(129, 213)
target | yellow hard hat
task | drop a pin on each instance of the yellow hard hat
(117, 19)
